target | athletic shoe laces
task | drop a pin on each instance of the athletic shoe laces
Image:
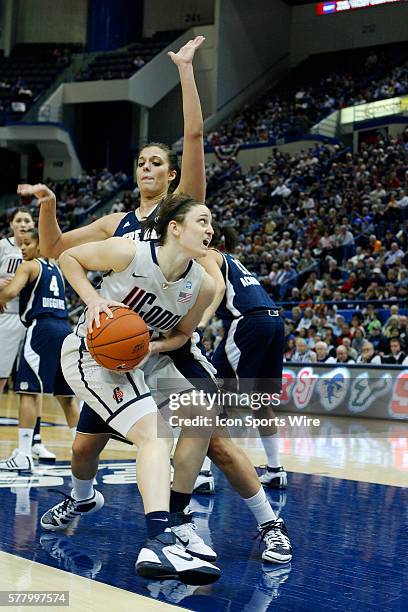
(64, 507)
(275, 534)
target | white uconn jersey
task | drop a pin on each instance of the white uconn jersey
(10, 259)
(143, 287)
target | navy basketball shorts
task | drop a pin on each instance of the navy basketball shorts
(189, 362)
(250, 356)
(39, 366)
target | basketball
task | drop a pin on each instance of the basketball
(120, 343)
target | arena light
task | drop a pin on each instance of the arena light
(339, 6)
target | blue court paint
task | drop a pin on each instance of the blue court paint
(349, 538)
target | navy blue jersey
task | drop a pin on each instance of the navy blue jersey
(243, 293)
(44, 296)
(130, 227)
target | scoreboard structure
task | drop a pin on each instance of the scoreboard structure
(340, 6)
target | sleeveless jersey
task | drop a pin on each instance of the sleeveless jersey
(10, 259)
(143, 287)
(130, 227)
(45, 296)
(243, 293)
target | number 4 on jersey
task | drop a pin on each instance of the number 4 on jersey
(54, 286)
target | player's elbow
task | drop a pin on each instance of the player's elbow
(64, 259)
(52, 251)
(195, 133)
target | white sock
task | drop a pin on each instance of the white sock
(206, 467)
(83, 489)
(73, 432)
(25, 437)
(260, 507)
(271, 446)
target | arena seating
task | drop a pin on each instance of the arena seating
(318, 86)
(27, 72)
(122, 64)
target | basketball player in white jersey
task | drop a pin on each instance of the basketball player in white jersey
(156, 175)
(170, 291)
(11, 329)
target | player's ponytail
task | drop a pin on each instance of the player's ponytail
(225, 236)
(173, 207)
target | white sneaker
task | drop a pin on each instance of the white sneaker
(17, 462)
(276, 539)
(274, 478)
(163, 558)
(42, 454)
(62, 515)
(204, 484)
(186, 533)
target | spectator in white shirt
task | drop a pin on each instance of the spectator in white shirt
(368, 355)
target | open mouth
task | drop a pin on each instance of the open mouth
(206, 243)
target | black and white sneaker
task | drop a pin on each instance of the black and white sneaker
(274, 478)
(276, 538)
(61, 515)
(163, 557)
(186, 533)
(204, 485)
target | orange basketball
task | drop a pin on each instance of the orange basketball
(119, 343)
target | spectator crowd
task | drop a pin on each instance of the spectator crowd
(313, 91)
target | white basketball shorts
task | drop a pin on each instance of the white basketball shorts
(11, 335)
(121, 399)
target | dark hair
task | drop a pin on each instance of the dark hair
(21, 210)
(225, 235)
(34, 234)
(171, 158)
(173, 207)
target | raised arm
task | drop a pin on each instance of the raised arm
(113, 254)
(192, 179)
(52, 241)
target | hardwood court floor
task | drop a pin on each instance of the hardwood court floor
(345, 508)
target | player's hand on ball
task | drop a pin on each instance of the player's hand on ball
(95, 307)
(41, 192)
(186, 53)
(146, 357)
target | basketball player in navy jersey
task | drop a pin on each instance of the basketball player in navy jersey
(156, 173)
(40, 287)
(250, 355)
(11, 329)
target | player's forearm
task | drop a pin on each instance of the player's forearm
(49, 231)
(172, 341)
(211, 310)
(7, 294)
(193, 116)
(77, 278)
